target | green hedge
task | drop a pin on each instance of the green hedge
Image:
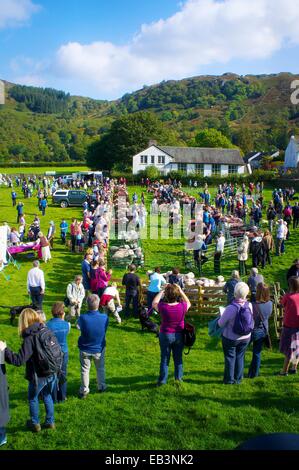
(41, 164)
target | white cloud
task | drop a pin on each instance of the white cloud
(202, 33)
(16, 12)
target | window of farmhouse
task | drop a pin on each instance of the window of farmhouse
(152, 159)
(143, 159)
(199, 168)
(232, 169)
(182, 166)
(216, 169)
(161, 159)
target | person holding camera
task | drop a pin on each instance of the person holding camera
(75, 294)
(172, 305)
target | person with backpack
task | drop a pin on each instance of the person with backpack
(61, 329)
(262, 310)
(237, 323)
(172, 305)
(42, 355)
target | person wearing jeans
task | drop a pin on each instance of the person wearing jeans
(92, 343)
(234, 352)
(61, 329)
(172, 304)
(39, 385)
(262, 309)
(234, 345)
(44, 388)
(4, 400)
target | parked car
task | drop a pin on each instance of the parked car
(69, 197)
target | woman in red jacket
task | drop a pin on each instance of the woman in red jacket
(289, 341)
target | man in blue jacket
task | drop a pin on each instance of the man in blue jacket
(92, 345)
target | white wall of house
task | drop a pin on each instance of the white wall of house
(151, 153)
(241, 170)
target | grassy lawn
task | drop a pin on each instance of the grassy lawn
(134, 414)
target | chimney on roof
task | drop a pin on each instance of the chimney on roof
(152, 142)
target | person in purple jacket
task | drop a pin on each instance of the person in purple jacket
(234, 346)
(172, 304)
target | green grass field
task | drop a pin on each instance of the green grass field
(133, 414)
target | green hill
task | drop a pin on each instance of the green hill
(48, 125)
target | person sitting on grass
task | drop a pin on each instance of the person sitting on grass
(61, 329)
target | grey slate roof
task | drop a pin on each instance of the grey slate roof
(204, 155)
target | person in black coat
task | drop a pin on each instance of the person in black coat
(294, 269)
(29, 327)
(4, 406)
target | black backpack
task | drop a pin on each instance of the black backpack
(189, 336)
(48, 354)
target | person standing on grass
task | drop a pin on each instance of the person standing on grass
(61, 329)
(289, 340)
(243, 255)
(36, 285)
(92, 345)
(172, 304)
(43, 205)
(39, 385)
(219, 250)
(75, 293)
(157, 281)
(51, 234)
(296, 215)
(14, 198)
(73, 234)
(4, 400)
(132, 283)
(86, 268)
(234, 345)
(262, 310)
(20, 211)
(229, 287)
(63, 231)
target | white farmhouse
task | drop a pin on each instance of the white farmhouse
(191, 160)
(291, 158)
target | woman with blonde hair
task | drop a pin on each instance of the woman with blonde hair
(45, 247)
(40, 384)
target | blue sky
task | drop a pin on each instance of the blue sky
(104, 49)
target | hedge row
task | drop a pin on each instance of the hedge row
(41, 164)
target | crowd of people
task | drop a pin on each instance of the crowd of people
(94, 291)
